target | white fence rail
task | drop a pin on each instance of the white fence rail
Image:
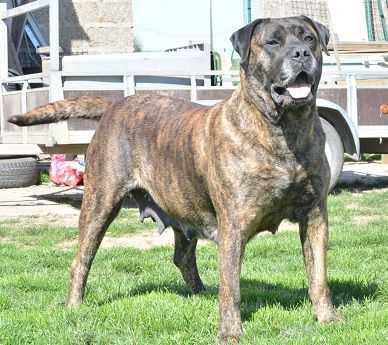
(60, 134)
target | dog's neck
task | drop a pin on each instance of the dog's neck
(296, 126)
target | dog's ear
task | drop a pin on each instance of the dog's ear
(241, 41)
(322, 31)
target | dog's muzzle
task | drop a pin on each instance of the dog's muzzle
(296, 90)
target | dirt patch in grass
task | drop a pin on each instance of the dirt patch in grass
(143, 241)
(4, 240)
(150, 239)
(363, 220)
(66, 221)
(366, 219)
(352, 206)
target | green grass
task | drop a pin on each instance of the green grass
(138, 297)
(128, 223)
(44, 177)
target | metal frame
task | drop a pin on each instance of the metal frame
(126, 84)
(33, 32)
(58, 132)
(3, 42)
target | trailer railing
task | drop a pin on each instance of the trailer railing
(128, 86)
(55, 78)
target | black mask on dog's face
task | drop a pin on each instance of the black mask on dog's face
(282, 61)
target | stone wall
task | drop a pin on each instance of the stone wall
(92, 26)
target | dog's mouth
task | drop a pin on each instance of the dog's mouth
(297, 90)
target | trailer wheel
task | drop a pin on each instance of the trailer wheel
(18, 172)
(334, 150)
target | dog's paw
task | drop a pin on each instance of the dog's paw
(74, 300)
(229, 339)
(198, 288)
(230, 335)
(325, 313)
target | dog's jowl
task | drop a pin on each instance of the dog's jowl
(225, 172)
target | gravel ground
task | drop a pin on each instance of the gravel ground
(43, 201)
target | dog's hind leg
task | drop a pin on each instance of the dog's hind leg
(185, 260)
(101, 203)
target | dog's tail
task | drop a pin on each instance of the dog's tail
(85, 107)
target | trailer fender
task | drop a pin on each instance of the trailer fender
(345, 127)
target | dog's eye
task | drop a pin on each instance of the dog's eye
(272, 43)
(309, 38)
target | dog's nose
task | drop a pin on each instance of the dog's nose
(300, 54)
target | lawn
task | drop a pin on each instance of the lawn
(138, 297)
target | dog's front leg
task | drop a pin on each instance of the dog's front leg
(230, 254)
(314, 237)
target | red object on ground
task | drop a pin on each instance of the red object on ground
(384, 109)
(68, 173)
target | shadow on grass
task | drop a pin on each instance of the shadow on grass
(256, 294)
(75, 199)
(338, 189)
(360, 183)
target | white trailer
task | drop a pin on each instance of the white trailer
(182, 74)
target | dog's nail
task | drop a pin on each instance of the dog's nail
(161, 228)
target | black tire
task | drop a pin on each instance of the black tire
(18, 172)
(334, 150)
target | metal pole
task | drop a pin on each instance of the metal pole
(56, 92)
(212, 78)
(382, 20)
(352, 103)
(129, 85)
(334, 40)
(193, 89)
(54, 35)
(2, 115)
(369, 20)
(3, 43)
(58, 132)
(24, 109)
(247, 11)
(211, 24)
(3, 62)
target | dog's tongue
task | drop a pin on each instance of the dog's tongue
(299, 91)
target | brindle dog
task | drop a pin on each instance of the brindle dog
(224, 173)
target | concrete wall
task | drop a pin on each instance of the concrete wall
(93, 26)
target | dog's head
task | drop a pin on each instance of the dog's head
(281, 62)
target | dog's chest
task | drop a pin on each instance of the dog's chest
(293, 189)
(290, 177)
